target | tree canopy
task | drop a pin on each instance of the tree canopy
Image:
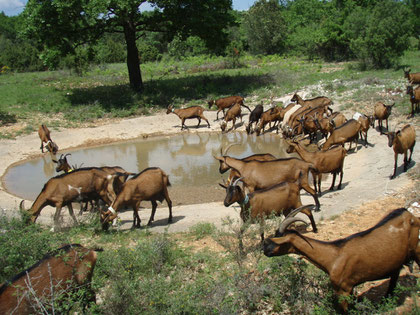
(66, 24)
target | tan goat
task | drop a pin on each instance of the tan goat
(278, 199)
(271, 115)
(44, 135)
(188, 113)
(365, 122)
(414, 99)
(231, 115)
(225, 102)
(149, 185)
(377, 253)
(382, 112)
(413, 78)
(402, 141)
(349, 132)
(79, 185)
(313, 102)
(36, 289)
(330, 161)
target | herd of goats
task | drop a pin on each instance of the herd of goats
(261, 184)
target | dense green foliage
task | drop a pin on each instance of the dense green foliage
(140, 272)
(332, 30)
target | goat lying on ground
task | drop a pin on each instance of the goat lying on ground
(233, 112)
(188, 113)
(377, 253)
(278, 199)
(254, 117)
(79, 185)
(330, 161)
(149, 185)
(263, 174)
(44, 135)
(34, 290)
(226, 102)
(382, 112)
(402, 141)
(349, 132)
(414, 99)
(413, 78)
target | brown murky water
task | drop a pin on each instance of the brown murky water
(186, 158)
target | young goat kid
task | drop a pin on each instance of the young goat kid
(377, 253)
(402, 141)
(225, 102)
(44, 135)
(231, 115)
(188, 113)
(382, 112)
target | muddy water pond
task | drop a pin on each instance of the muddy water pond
(187, 159)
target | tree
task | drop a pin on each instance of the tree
(378, 38)
(265, 27)
(67, 24)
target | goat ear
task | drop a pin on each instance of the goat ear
(55, 161)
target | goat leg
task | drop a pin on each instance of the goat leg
(341, 179)
(333, 181)
(199, 121)
(152, 215)
(395, 165)
(70, 207)
(393, 282)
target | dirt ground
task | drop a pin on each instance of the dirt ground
(368, 194)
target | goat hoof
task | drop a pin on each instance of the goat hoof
(392, 177)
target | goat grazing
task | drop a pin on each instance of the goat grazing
(402, 141)
(233, 112)
(377, 253)
(413, 78)
(149, 185)
(382, 112)
(263, 174)
(254, 117)
(278, 199)
(44, 135)
(271, 115)
(59, 273)
(188, 113)
(349, 132)
(330, 161)
(226, 102)
(60, 191)
(414, 99)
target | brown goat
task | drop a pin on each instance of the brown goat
(330, 161)
(151, 184)
(365, 123)
(313, 102)
(349, 132)
(377, 253)
(413, 78)
(188, 113)
(278, 199)
(271, 115)
(324, 126)
(233, 112)
(263, 174)
(337, 119)
(226, 102)
(38, 288)
(382, 112)
(414, 99)
(402, 141)
(44, 135)
(254, 117)
(79, 185)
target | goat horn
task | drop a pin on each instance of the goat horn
(236, 181)
(21, 205)
(67, 154)
(224, 152)
(287, 222)
(297, 210)
(61, 157)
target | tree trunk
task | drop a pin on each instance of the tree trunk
(133, 62)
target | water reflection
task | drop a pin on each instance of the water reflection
(186, 158)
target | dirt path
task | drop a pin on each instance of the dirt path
(366, 172)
